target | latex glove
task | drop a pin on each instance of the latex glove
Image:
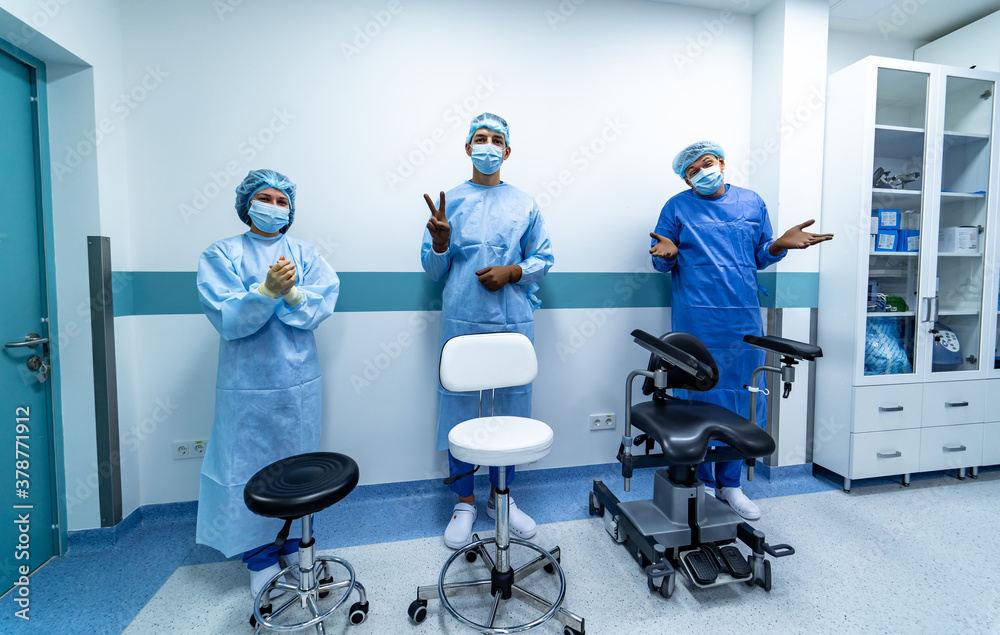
(438, 226)
(795, 238)
(494, 278)
(281, 276)
(664, 247)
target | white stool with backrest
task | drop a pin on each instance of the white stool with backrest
(485, 362)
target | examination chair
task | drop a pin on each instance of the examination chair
(292, 488)
(682, 527)
(483, 363)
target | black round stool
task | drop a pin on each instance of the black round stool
(298, 487)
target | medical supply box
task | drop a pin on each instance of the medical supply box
(958, 240)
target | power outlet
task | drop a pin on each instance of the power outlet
(188, 449)
(602, 422)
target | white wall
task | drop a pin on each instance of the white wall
(618, 80)
(845, 48)
(974, 45)
(186, 89)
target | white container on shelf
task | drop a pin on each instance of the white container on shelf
(958, 240)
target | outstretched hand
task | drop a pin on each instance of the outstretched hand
(438, 225)
(795, 238)
(664, 247)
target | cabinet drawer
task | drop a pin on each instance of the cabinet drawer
(953, 403)
(992, 400)
(951, 447)
(884, 453)
(991, 444)
(893, 407)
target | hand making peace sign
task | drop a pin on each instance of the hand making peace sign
(438, 225)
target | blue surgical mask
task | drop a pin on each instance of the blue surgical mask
(708, 181)
(487, 157)
(268, 218)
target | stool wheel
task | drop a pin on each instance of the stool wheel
(470, 556)
(327, 580)
(417, 611)
(549, 568)
(265, 611)
(358, 612)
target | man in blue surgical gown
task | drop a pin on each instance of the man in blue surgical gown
(712, 239)
(265, 293)
(488, 239)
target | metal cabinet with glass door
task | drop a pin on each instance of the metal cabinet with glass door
(908, 288)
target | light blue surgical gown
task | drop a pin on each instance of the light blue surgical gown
(490, 226)
(722, 242)
(268, 392)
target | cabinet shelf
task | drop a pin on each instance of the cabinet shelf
(893, 254)
(952, 254)
(888, 193)
(891, 314)
(945, 196)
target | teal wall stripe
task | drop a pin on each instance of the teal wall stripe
(174, 293)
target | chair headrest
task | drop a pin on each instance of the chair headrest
(678, 378)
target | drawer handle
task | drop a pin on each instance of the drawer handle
(892, 409)
(893, 455)
(956, 404)
(955, 448)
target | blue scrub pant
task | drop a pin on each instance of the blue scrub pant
(727, 473)
(463, 486)
(265, 555)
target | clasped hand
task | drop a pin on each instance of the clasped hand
(281, 276)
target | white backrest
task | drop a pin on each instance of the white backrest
(487, 360)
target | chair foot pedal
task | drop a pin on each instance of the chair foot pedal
(735, 562)
(701, 567)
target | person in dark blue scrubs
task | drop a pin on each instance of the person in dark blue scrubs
(712, 239)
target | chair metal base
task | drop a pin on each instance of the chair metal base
(307, 594)
(549, 560)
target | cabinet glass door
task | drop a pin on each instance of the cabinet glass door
(965, 174)
(897, 202)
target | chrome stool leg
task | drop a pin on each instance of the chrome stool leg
(310, 589)
(502, 583)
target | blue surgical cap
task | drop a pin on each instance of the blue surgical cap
(688, 155)
(258, 180)
(491, 121)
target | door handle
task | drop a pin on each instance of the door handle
(955, 448)
(892, 409)
(32, 340)
(956, 404)
(890, 455)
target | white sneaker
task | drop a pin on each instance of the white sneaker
(259, 578)
(710, 491)
(521, 524)
(289, 560)
(739, 502)
(459, 530)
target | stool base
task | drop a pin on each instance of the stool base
(308, 599)
(549, 560)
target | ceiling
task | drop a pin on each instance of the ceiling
(925, 20)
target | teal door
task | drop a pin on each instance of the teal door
(27, 538)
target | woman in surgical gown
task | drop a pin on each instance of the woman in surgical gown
(268, 393)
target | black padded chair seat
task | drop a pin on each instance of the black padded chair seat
(300, 485)
(683, 428)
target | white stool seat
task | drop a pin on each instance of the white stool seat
(500, 441)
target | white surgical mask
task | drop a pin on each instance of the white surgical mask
(708, 180)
